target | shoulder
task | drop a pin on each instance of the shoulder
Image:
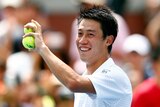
(113, 71)
(118, 73)
(114, 75)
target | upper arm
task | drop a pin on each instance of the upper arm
(82, 84)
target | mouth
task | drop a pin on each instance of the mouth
(84, 49)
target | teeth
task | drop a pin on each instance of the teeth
(84, 49)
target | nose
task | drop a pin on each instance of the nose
(83, 40)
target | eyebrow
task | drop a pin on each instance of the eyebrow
(89, 30)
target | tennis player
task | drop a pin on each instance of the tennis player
(103, 84)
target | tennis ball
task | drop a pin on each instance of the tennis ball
(29, 41)
(28, 30)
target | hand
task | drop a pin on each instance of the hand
(37, 34)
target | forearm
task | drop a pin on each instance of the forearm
(61, 70)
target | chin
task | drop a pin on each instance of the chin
(83, 59)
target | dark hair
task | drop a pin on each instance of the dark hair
(104, 16)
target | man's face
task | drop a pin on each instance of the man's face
(90, 42)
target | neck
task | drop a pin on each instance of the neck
(91, 68)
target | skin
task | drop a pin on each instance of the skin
(89, 43)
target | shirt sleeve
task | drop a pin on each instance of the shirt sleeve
(107, 86)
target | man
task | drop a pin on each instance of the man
(117, 52)
(77, 64)
(103, 84)
(147, 94)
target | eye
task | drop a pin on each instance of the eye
(91, 35)
(80, 34)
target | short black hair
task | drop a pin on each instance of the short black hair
(104, 16)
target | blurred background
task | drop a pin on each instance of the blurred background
(25, 80)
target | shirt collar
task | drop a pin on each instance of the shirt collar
(106, 65)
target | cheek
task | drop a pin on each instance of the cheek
(76, 42)
(98, 47)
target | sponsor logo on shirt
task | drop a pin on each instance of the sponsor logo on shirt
(105, 71)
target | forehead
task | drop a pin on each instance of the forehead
(89, 24)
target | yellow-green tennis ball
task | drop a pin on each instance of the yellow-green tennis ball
(28, 30)
(28, 42)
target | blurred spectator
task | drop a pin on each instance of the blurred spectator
(19, 68)
(134, 15)
(123, 32)
(147, 94)
(56, 41)
(117, 6)
(2, 82)
(7, 26)
(152, 8)
(153, 30)
(3, 87)
(55, 93)
(136, 48)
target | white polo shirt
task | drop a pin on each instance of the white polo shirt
(113, 88)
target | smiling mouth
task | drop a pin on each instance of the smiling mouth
(84, 49)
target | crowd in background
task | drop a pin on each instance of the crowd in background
(25, 80)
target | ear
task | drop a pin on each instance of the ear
(109, 40)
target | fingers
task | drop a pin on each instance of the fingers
(31, 50)
(29, 34)
(37, 25)
(35, 22)
(36, 28)
(34, 25)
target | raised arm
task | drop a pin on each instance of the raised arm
(65, 74)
